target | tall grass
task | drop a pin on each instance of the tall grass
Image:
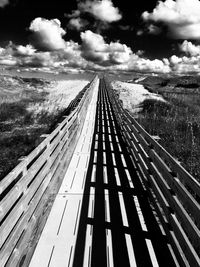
(177, 123)
(21, 127)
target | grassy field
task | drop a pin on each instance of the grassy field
(176, 121)
(29, 107)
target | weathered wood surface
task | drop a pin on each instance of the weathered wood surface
(173, 190)
(28, 192)
(58, 238)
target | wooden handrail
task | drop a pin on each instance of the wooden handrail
(173, 190)
(28, 191)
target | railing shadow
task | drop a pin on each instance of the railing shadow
(117, 224)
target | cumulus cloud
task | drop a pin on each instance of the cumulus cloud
(190, 49)
(174, 60)
(146, 65)
(181, 17)
(112, 57)
(185, 64)
(4, 3)
(47, 34)
(94, 48)
(188, 63)
(40, 59)
(27, 56)
(117, 56)
(94, 53)
(21, 50)
(8, 61)
(77, 24)
(103, 10)
(74, 14)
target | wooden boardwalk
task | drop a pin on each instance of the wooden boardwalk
(56, 245)
(102, 215)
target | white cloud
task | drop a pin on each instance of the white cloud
(3, 3)
(8, 61)
(28, 56)
(70, 56)
(27, 50)
(117, 56)
(40, 59)
(188, 63)
(47, 34)
(95, 49)
(185, 64)
(93, 54)
(174, 60)
(74, 14)
(190, 49)
(182, 18)
(147, 65)
(102, 10)
(153, 29)
(77, 23)
(103, 13)
(112, 57)
(93, 41)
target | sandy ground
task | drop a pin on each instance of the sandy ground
(60, 94)
(132, 95)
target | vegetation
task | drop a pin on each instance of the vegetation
(21, 127)
(176, 121)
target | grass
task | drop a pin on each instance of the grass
(21, 127)
(177, 123)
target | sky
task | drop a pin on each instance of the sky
(101, 35)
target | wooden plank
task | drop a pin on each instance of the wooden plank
(21, 213)
(55, 150)
(185, 197)
(19, 168)
(189, 225)
(176, 167)
(189, 252)
(23, 223)
(140, 138)
(21, 186)
(75, 188)
(161, 200)
(12, 176)
(166, 171)
(159, 207)
(139, 152)
(23, 164)
(23, 205)
(177, 207)
(26, 245)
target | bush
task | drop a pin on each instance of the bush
(153, 105)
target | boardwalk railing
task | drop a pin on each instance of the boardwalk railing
(28, 192)
(174, 192)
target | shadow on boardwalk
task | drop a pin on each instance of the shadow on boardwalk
(118, 226)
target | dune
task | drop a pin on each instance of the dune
(132, 95)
